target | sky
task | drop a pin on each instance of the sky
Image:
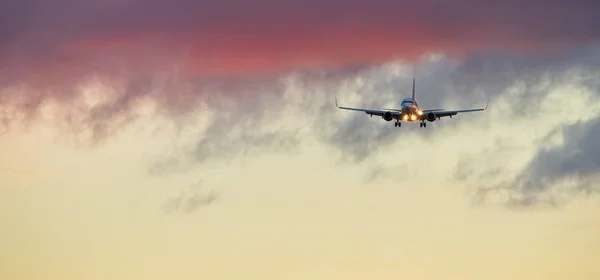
(148, 139)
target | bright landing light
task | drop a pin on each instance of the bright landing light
(413, 117)
(405, 117)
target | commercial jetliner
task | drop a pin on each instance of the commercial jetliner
(410, 112)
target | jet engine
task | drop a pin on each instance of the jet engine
(388, 116)
(431, 117)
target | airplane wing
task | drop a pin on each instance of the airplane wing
(440, 114)
(371, 112)
(424, 111)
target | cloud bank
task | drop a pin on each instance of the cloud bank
(64, 38)
(230, 79)
(497, 149)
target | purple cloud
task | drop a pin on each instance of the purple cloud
(267, 36)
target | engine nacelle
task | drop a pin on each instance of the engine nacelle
(431, 117)
(388, 116)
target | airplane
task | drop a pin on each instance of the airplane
(411, 112)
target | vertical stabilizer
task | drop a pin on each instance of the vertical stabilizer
(413, 92)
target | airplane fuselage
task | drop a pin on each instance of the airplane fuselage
(410, 111)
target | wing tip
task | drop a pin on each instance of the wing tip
(336, 102)
(486, 105)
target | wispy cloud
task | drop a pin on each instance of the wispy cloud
(190, 200)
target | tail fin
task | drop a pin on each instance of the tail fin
(413, 92)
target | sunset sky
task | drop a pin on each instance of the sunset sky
(181, 139)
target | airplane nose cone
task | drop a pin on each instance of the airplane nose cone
(409, 113)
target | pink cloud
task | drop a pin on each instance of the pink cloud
(235, 37)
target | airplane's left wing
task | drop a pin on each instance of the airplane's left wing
(440, 114)
(382, 113)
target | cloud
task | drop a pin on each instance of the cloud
(190, 200)
(47, 42)
(555, 173)
(573, 166)
(496, 146)
(183, 54)
(196, 71)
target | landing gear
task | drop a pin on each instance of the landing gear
(397, 124)
(423, 124)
